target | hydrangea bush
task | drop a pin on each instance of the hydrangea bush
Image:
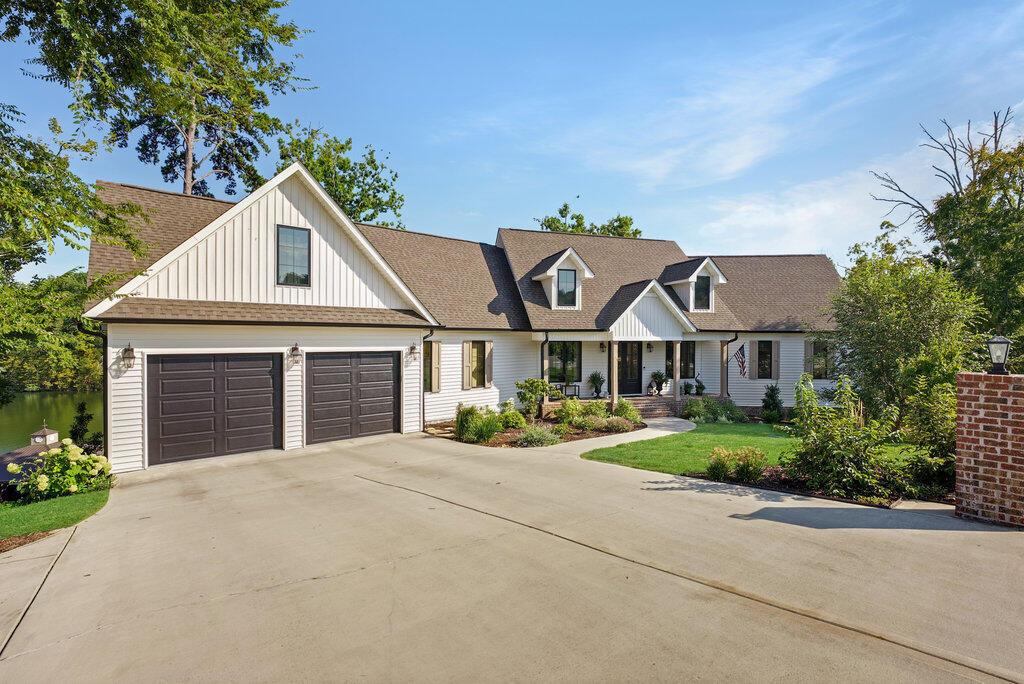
(60, 471)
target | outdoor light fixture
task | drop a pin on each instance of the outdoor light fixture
(128, 356)
(998, 350)
(602, 346)
(412, 351)
(295, 354)
(650, 347)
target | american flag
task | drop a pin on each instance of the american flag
(741, 359)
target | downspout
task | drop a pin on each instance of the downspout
(423, 391)
(543, 351)
(725, 368)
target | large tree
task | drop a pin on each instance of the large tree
(191, 78)
(976, 228)
(568, 221)
(899, 320)
(365, 189)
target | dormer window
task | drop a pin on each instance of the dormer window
(702, 293)
(566, 287)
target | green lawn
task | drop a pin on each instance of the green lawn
(688, 452)
(52, 514)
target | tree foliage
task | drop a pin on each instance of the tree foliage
(897, 318)
(193, 77)
(976, 229)
(567, 221)
(365, 189)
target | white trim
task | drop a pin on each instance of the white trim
(659, 289)
(252, 198)
(707, 263)
(569, 252)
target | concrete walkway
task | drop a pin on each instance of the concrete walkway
(416, 558)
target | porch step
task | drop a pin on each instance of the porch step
(656, 406)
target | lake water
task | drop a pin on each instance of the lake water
(26, 413)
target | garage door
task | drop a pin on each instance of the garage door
(351, 394)
(209, 405)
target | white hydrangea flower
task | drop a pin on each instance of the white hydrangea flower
(66, 441)
(42, 483)
(73, 488)
(13, 468)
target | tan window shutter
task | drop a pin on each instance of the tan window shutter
(752, 359)
(808, 355)
(488, 363)
(467, 364)
(775, 360)
(435, 366)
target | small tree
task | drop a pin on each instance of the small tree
(771, 404)
(531, 393)
(80, 424)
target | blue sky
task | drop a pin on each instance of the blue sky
(741, 127)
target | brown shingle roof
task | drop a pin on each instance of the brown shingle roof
(131, 309)
(463, 284)
(172, 219)
(616, 262)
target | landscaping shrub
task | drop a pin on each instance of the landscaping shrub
(483, 427)
(616, 424)
(588, 423)
(771, 404)
(595, 409)
(714, 412)
(719, 465)
(537, 436)
(464, 415)
(687, 387)
(507, 406)
(695, 410)
(569, 412)
(625, 409)
(839, 451)
(62, 470)
(532, 391)
(731, 412)
(596, 381)
(561, 429)
(699, 388)
(513, 420)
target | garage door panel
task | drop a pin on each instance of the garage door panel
(212, 405)
(350, 394)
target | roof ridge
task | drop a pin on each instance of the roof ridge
(423, 232)
(763, 256)
(613, 237)
(165, 192)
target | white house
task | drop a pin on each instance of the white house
(277, 322)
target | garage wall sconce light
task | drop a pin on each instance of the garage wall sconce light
(128, 356)
(295, 354)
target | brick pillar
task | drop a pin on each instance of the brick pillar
(990, 447)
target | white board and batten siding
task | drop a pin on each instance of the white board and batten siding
(237, 262)
(126, 418)
(515, 356)
(648, 319)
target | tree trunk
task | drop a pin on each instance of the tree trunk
(188, 172)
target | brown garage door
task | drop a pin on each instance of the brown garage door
(351, 394)
(212, 404)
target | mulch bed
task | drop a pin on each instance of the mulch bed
(14, 542)
(507, 439)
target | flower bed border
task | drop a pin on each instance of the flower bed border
(442, 429)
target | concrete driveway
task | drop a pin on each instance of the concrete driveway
(415, 558)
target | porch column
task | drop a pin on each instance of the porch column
(723, 374)
(675, 369)
(613, 372)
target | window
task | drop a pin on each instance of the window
(428, 366)
(565, 362)
(702, 293)
(687, 360)
(292, 256)
(566, 287)
(764, 359)
(477, 364)
(820, 365)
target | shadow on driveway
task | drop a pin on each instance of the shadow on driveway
(866, 518)
(695, 484)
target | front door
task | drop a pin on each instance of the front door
(629, 368)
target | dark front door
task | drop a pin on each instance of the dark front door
(629, 368)
(202, 405)
(351, 394)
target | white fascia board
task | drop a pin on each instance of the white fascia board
(659, 289)
(568, 253)
(252, 198)
(708, 264)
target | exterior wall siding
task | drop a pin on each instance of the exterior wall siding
(127, 387)
(238, 263)
(515, 357)
(649, 319)
(748, 391)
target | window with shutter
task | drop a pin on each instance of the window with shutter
(765, 359)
